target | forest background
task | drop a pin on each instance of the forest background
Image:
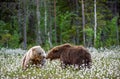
(92, 23)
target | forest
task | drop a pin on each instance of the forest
(92, 23)
(95, 24)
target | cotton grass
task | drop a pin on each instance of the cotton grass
(106, 65)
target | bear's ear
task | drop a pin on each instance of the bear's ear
(56, 49)
(33, 50)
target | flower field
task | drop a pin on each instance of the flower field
(106, 65)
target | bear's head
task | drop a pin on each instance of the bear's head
(38, 53)
(55, 52)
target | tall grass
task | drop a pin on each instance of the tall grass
(106, 65)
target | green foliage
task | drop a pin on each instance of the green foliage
(8, 37)
(68, 23)
(106, 36)
(14, 42)
(2, 26)
(5, 39)
(66, 29)
(89, 32)
(98, 41)
(111, 26)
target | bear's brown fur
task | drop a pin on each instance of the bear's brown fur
(70, 55)
(34, 56)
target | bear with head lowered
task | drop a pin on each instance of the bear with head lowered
(71, 55)
(35, 56)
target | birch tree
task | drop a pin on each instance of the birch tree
(83, 22)
(50, 12)
(20, 22)
(95, 17)
(55, 21)
(45, 15)
(39, 40)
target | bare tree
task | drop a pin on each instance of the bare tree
(49, 40)
(77, 22)
(45, 15)
(24, 26)
(20, 22)
(117, 32)
(39, 40)
(118, 19)
(50, 18)
(83, 22)
(55, 21)
(95, 17)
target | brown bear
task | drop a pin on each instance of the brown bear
(34, 56)
(71, 55)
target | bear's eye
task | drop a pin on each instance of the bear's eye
(43, 56)
(39, 53)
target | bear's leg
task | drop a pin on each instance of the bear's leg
(23, 61)
(64, 64)
(88, 62)
(26, 64)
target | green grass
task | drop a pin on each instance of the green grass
(106, 64)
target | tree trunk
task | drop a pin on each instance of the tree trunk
(49, 40)
(50, 9)
(19, 18)
(55, 21)
(45, 14)
(77, 22)
(95, 17)
(117, 33)
(117, 28)
(39, 40)
(83, 22)
(24, 26)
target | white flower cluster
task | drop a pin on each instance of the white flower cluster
(106, 65)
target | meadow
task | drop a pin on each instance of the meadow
(106, 65)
